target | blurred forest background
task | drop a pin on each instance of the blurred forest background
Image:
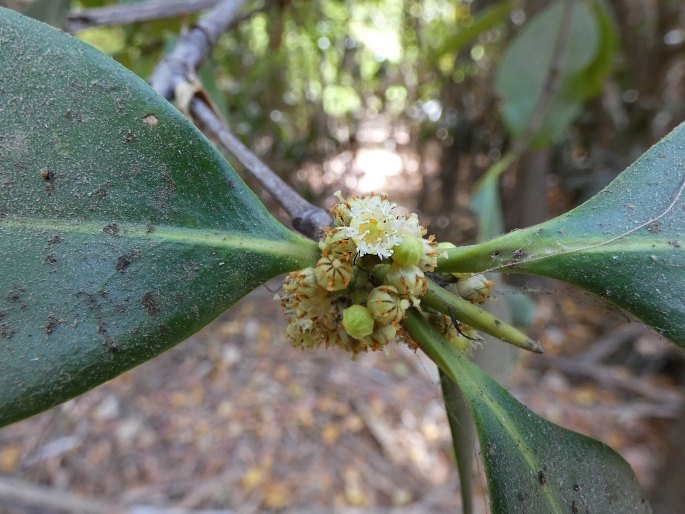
(481, 115)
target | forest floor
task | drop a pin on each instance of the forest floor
(235, 420)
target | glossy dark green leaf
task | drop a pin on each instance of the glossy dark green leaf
(532, 465)
(625, 244)
(463, 438)
(523, 72)
(122, 230)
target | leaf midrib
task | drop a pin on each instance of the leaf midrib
(302, 251)
(510, 429)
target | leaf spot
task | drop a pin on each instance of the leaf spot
(51, 324)
(542, 478)
(151, 120)
(124, 261)
(150, 301)
(47, 174)
(112, 229)
(6, 331)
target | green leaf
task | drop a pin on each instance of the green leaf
(532, 465)
(53, 12)
(524, 69)
(625, 244)
(463, 438)
(482, 21)
(487, 206)
(590, 81)
(122, 230)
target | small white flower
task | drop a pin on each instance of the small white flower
(375, 228)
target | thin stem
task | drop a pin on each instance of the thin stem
(132, 13)
(443, 301)
(306, 218)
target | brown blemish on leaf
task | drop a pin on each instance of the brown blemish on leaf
(151, 120)
(124, 261)
(164, 330)
(112, 229)
(169, 187)
(15, 293)
(51, 324)
(542, 478)
(73, 115)
(654, 227)
(149, 228)
(100, 192)
(520, 254)
(111, 346)
(178, 298)
(47, 174)
(50, 259)
(675, 243)
(55, 239)
(130, 137)
(6, 331)
(150, 301)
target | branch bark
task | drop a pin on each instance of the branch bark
(193, 48)
(178, 69)
(306, 218)
(131, 13)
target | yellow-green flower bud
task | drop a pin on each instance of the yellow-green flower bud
(408, 252)
(307, 285)
(357, 321)
(341, 211)
(337, 245)
(333, 274)
(430, 254)
(385, 305)
(409, 281)
(299, 337)
(380, 337)
(475, 289)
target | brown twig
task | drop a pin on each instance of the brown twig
(178, 69)
(131, 13)
(306, 218)
(193, 47)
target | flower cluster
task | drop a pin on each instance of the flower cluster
(342, 301)
(335, 302)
